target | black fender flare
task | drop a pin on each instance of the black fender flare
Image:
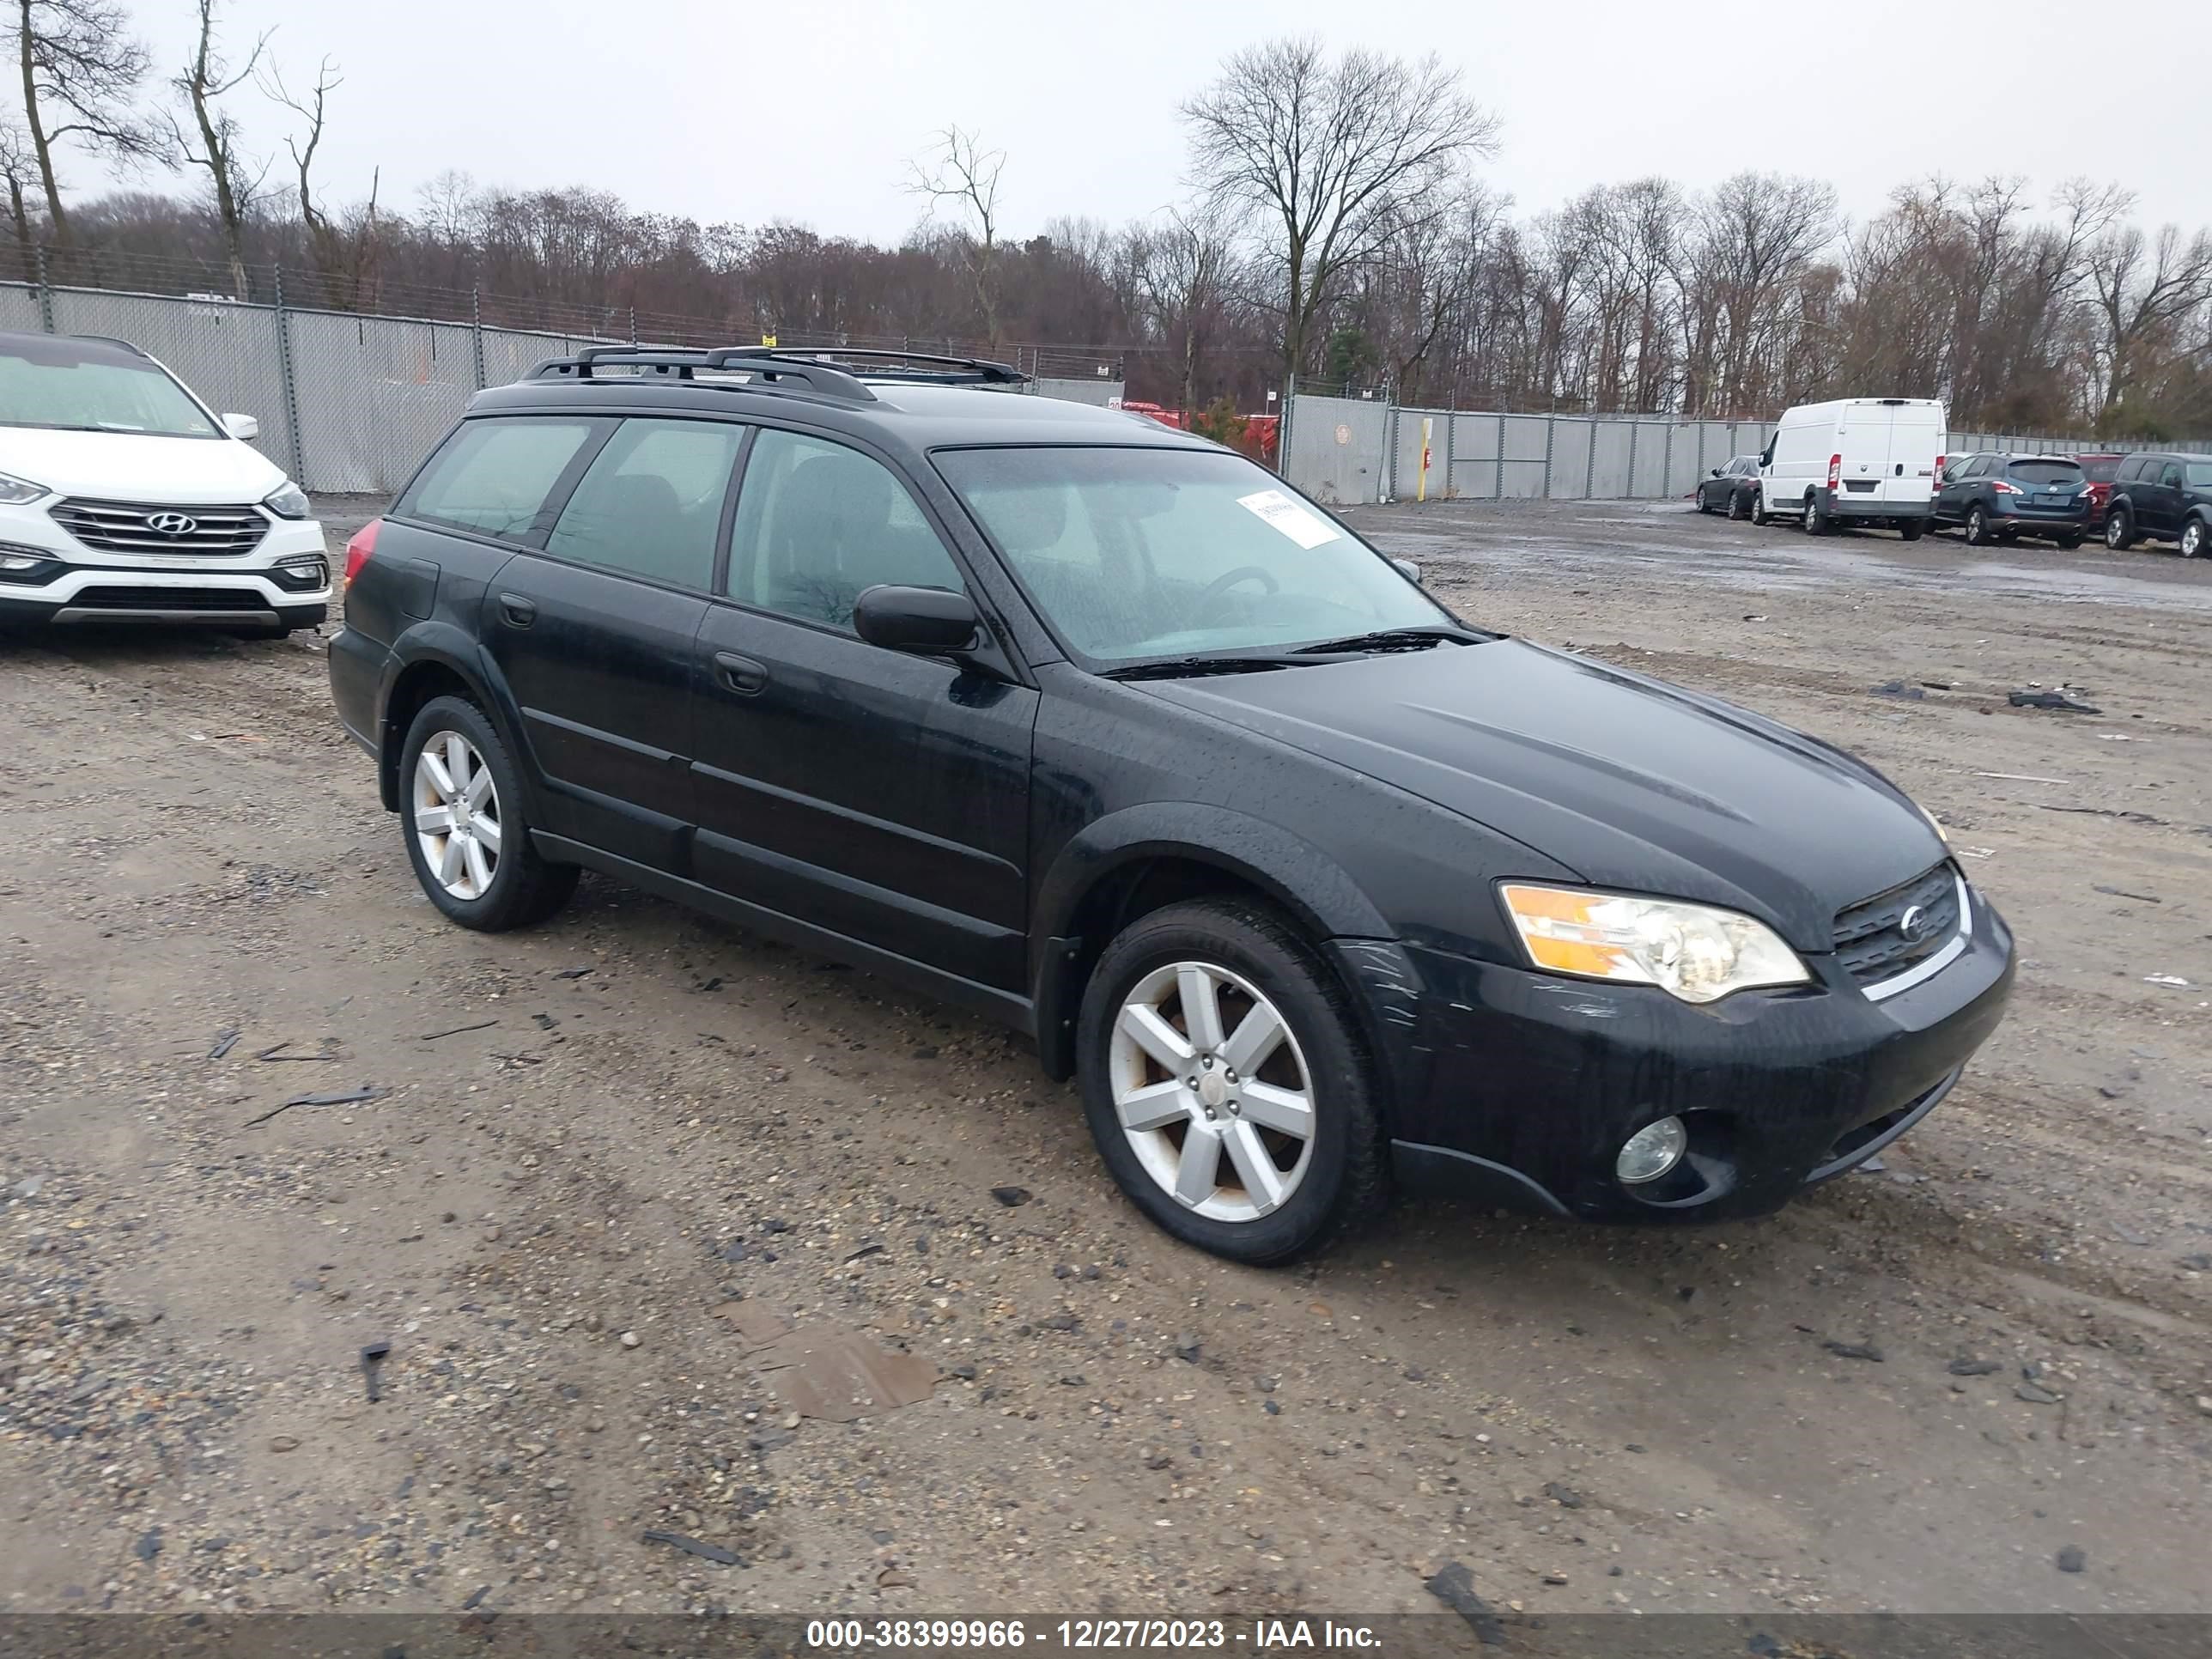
(1292, 871)
(439, 642)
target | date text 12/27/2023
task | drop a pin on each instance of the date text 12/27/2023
(834, 1635)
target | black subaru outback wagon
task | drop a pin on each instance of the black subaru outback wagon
(1100, 729)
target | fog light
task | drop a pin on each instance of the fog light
(1651, 1150)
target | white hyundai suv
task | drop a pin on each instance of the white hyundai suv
(125, 498)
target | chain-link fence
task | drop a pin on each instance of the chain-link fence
(1357, 450)
(351, 400)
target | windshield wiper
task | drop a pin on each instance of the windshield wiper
(1388, 639)
(1177, 668)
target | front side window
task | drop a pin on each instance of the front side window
(493, 477)
(1139, 553)
(651, 504)
(818, 523)
(2199, 474)
(2172, 477)
(76, 387)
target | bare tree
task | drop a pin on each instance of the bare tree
(233, 180)
(81, 69)
(342, 253)
(2147, 290)
(21, 168)
(1186, 269)
(1331, 158)
(961, 176)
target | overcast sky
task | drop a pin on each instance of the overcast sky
(738, 111)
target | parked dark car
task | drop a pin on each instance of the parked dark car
(2164, 496)
(1103, 730)
(1731, 488)
(2100, 470)
(1999, 497)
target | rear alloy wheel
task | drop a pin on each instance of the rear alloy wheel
(2119, 530)
(1977, 527)
(1760, 515)
(2192, 539)
(1224, 1084)
(461, 801)
(1816, 521)
(1738, 508)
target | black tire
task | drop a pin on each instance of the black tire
(1817, 522)
(1346, 1177)
(1738, 507)
(1913, 529)
(1704, 506)
(1977, 527)
(2193, 539)
(2069, 541)
(524, 888)
(2119, 530)
(1760, 515)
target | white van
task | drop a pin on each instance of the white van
(1854, 461)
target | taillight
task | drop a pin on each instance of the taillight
(2001, 488)
(1939, 469)
(1835, 471)
(359, 549)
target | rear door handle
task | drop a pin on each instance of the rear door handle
(518, 611)
(741, 674)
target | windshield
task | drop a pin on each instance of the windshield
(1137, 553)
(2046, 472)
(65, 384)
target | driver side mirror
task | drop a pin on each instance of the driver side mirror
(244, 427)
(1717, 473)
(1408, 569)
(927, 622)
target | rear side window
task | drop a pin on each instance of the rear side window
(651, 504)
(2099, 471)
(2133, 468)
(494, 477)
(1974, 468)
(2046, 472)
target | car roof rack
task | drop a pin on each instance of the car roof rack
(767, 371)
(930, 367)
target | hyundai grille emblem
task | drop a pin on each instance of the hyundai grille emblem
(172, 524)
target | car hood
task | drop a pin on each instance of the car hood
(1629, 781)
(129, 467)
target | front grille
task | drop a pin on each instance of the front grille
(130, 527)
(1870, 940)
(170, 599)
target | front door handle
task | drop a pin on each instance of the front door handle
(518, 611)
(741, 674)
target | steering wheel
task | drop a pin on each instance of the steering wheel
(1201, 609)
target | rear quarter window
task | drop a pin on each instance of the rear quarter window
(496, 477)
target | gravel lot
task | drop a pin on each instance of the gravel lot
(1916, 1390)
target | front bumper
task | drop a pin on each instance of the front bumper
(1518, 1088)
(80, 584)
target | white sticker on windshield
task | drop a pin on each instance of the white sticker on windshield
(1303, 525)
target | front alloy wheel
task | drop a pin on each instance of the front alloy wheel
(2192, 538)
(1211, 1091)
(456, 815)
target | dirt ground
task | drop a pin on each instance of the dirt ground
(543, 1215)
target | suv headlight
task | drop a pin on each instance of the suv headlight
(16, 491)
(287, 500)
(1691, 950)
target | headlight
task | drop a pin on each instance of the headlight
(1693, 950)
(287, 500)
(16, 491)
